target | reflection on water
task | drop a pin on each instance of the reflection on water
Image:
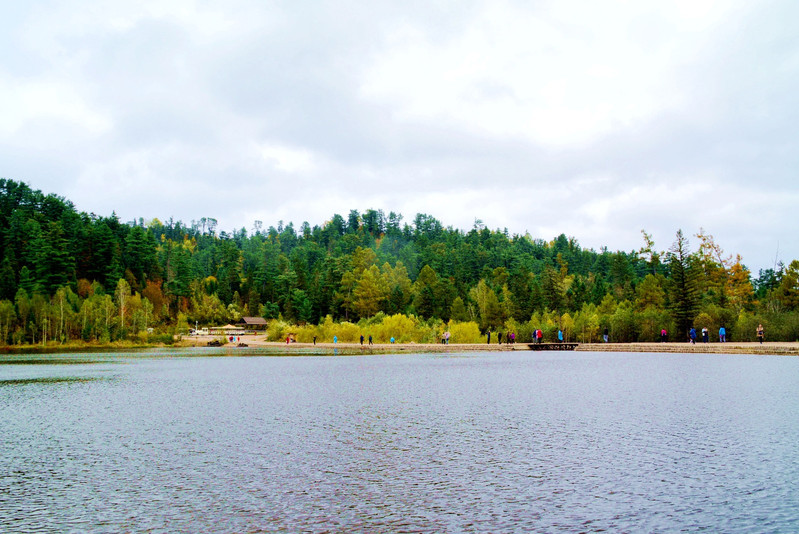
(455, 442)
(43, 380)
(44, 360)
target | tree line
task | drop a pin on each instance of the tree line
(67, 275)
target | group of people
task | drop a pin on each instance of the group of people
(692, 335)
(722, 334)
(335, 340)
(510, 338)
(538, 337)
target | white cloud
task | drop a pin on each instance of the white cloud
(593, 119)
(22, 102)
(558, 76)
(288, 159)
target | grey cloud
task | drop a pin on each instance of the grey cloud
(189, 108)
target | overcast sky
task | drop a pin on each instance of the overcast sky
(593, 119)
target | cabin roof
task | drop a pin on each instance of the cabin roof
(254, 320)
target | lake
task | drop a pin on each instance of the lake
(165, 441)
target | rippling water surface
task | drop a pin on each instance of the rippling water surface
(486, 442)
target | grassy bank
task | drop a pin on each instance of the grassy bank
(80, 346)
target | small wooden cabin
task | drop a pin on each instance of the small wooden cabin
(253, 323)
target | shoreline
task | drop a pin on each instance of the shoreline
(781, 348)
(253, 343)
(777, 348)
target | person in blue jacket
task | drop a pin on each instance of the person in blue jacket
(722, 334)
(692, 335)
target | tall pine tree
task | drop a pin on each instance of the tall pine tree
(683, 283)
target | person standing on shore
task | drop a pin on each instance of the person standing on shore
(499, 337)
(692, 335)
(314, 340)
(663, 335)
(760, 333)
(361, 339)
(704, 334)
(370, 339)
(488, 336)
(722, 335)
(560, 335)
(605, 335)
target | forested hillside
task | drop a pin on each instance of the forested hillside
(68, 275)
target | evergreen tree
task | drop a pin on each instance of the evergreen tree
(8, 282)
(577, 294)
(424, 301)
(683, 283)
(788, 291)
(179, 273)
(458, 311)
(139, 254)
(299, 309)
(55, 266)
(552, 289)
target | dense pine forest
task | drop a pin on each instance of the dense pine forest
(68, 276)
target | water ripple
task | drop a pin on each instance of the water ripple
(417, 443)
